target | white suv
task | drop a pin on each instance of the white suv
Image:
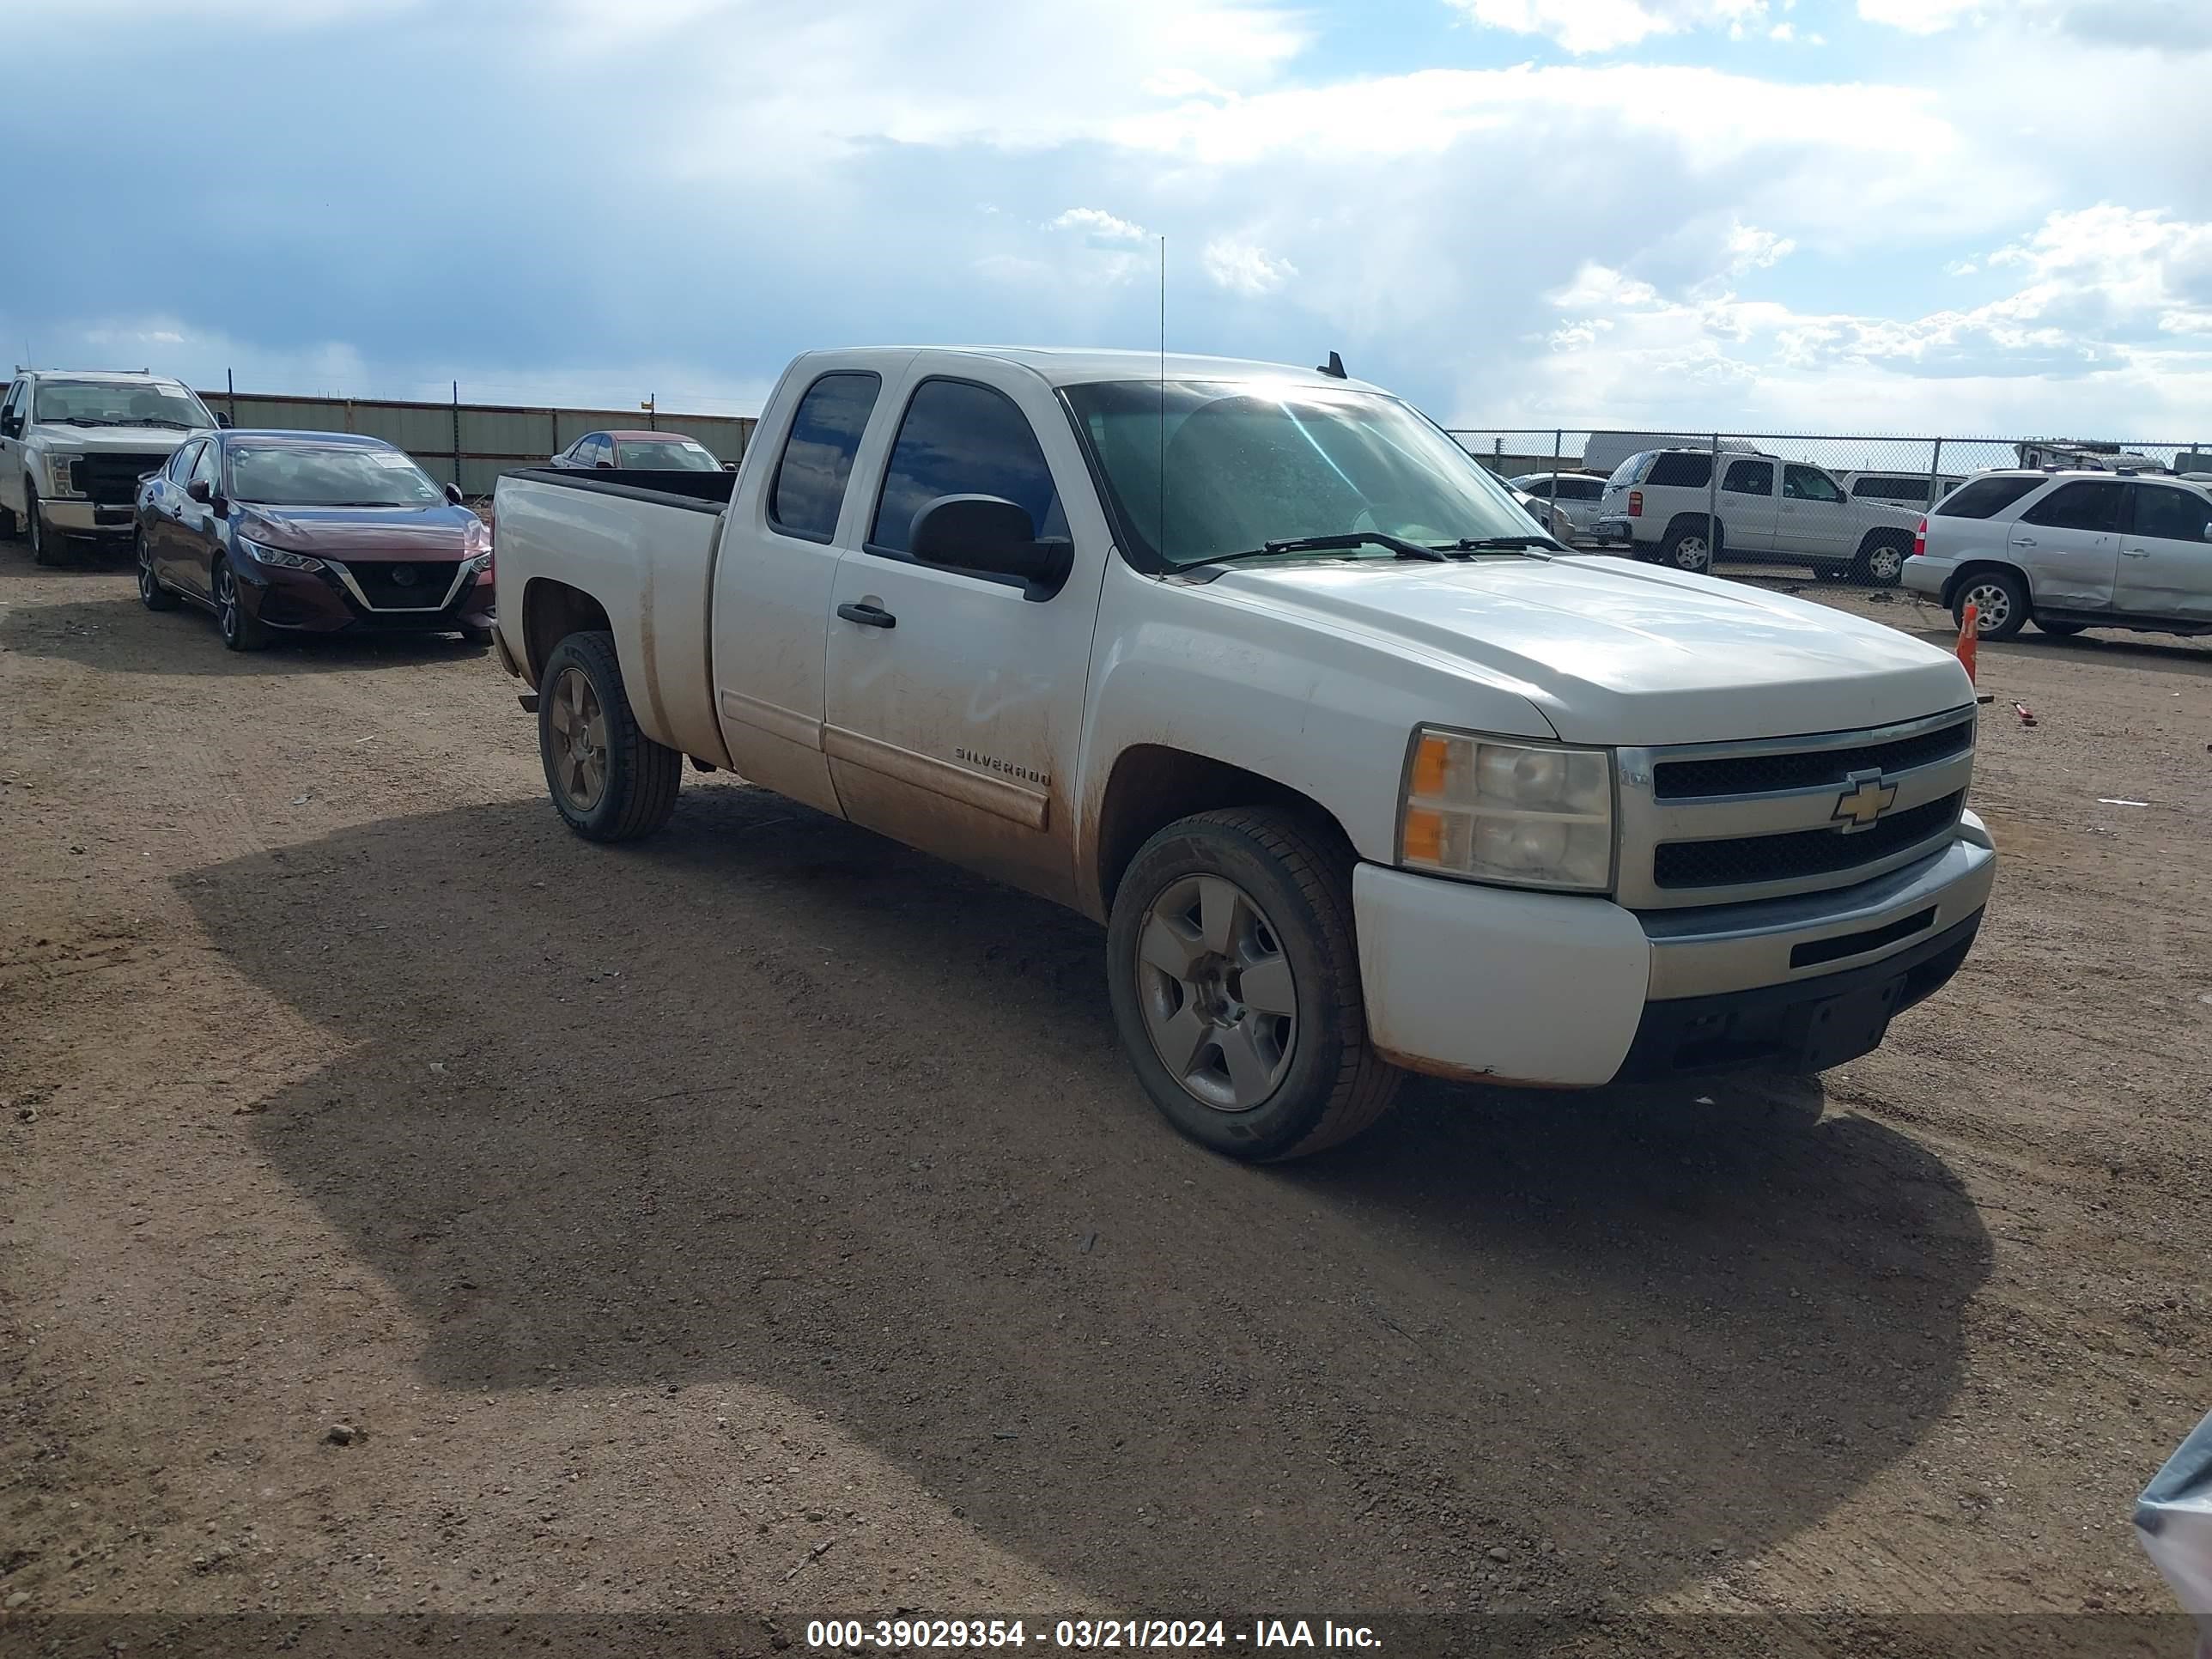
(1661, 502)
(73, 445)
(2070, 550)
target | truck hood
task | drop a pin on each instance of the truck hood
(1615, 653)
(111, 440)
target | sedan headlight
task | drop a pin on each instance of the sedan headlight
(277, 557)
(59, 479)
(1526, 814)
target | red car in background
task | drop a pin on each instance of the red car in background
(641, 451)
(311, 532)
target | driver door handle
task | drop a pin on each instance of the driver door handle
(2135, 552)
(868, 615)
(2023, 541)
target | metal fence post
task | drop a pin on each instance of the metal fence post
(1713, 508)
(457, 435)
(1935, 467)
(230, 386)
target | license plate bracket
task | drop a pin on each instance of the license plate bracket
(1841, 1028)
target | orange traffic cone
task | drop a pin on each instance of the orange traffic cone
(1970, 634)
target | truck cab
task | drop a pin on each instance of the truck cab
(1261, 670)
(74, 445)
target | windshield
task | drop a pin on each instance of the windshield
(301, 475)
(666, 455)
(119, 402)
(1249, 464)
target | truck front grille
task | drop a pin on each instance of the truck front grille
(112, 480)
(1731, 823)
(1754, 774)
(1759, 859)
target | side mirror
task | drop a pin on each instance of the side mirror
(223, 421)
(203, 494)
(990, 534)
(729, 466)
(12, 427)
(453, 494)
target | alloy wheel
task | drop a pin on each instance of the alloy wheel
(580, 736)
(1886, 563)
(149, 587)
(1992, 606)
(1218, 999)
(226, 600)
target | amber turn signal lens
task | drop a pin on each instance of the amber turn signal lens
(1429, 764)
(1425, 835)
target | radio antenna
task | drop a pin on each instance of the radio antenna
(1163, 543)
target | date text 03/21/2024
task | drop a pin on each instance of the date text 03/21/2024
(1084, 1635)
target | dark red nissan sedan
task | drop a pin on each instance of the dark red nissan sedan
(311, 532)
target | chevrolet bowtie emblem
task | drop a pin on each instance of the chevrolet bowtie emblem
(1865, 801)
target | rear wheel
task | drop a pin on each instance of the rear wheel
(1234, 984)
(151, 593)
(608, 780)
(2000, 602)
(241, 631)
(1687, 548)
(11, 526)
(2059, 631)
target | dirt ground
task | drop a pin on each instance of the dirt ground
(761, 1219)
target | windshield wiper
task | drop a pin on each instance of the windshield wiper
(73, 419)
(161, 420)
(1498, 543)
(1344, 543)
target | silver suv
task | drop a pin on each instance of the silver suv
(2070, 550)
(73, 444)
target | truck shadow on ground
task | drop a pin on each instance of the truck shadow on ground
(118, 633)
(772, 1100)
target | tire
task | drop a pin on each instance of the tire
(478, 637)
(1687, 548)
(151, 593)
(2059, 631)
(1996, 593)
(42, 547)
(614, 783)
(1881, 562)
(241, 631)
(10, 525)
(1268, 888)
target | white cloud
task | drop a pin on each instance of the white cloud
(1588, 26)
(1920, 16)
(1782, 32)
(1750, 248)
(1100, 228)
(1243, 268)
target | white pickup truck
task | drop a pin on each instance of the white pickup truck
(1257, 667)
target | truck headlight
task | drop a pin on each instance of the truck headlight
(1526, 814)
(60, 480)
(277, 556)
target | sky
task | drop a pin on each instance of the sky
(1968, 217)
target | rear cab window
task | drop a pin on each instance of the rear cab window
(1984, 498)
(816, 463)
(1749, 478)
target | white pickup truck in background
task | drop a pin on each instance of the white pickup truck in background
(1260, 669)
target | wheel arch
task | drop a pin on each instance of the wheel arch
(1972, 567)
(551, 610)
(1154, 784)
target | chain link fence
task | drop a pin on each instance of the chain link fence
(1788, 509)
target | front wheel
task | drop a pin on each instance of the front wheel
(608, 780)
(2000, 602)
(151, 593)
(241, 630)
(1880, 564)
(41, 539)
(1235, 984)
